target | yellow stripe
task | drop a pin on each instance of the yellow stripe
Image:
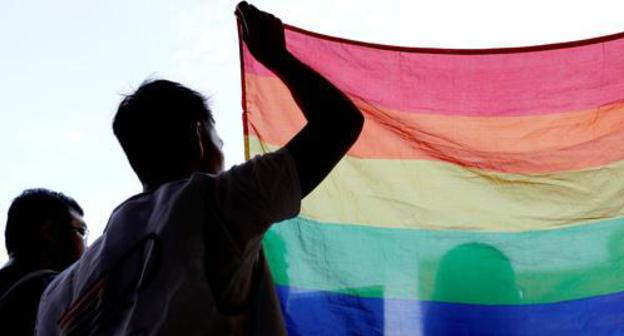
(438, 195)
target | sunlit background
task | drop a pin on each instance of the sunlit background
(64, 66)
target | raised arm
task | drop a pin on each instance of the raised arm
(333, 121)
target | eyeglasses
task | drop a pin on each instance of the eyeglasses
(81, 231)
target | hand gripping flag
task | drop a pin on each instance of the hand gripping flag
(484, 196)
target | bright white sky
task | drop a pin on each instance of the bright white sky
(64, 65)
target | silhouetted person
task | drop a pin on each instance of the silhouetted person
(471, 273)
(184, 257)
(44, 235)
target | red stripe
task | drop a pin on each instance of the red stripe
(506, 50)
(539, 80)
(74, 309)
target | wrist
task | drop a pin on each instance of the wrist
(284, 63)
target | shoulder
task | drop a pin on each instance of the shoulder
(56, 297)
(58, 286)
(8, 276)
(27, 289)
(259, 170)
(281, 157)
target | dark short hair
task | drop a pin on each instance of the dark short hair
(29, 211)
(156, 127)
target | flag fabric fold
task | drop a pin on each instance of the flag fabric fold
(484, 195)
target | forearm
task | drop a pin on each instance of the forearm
(319, 100)
(334, 122)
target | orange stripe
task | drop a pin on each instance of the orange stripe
(521, 144)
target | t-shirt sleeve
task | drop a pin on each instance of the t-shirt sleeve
(262, 191)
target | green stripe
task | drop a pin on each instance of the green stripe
(450, 266)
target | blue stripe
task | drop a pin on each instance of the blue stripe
(323, 313)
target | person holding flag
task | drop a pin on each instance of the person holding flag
(185, 256)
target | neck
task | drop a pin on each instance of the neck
(164, 178)
(30, 263)
(149, 186)
(153, 185)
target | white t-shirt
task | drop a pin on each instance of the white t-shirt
(184, 259)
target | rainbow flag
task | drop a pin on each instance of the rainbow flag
(485, 194)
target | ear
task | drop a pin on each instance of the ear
(200, 133)
(48, 234)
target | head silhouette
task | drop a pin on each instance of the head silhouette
(167, 132)
(45, 230)
(475, 272)
(470, 273)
